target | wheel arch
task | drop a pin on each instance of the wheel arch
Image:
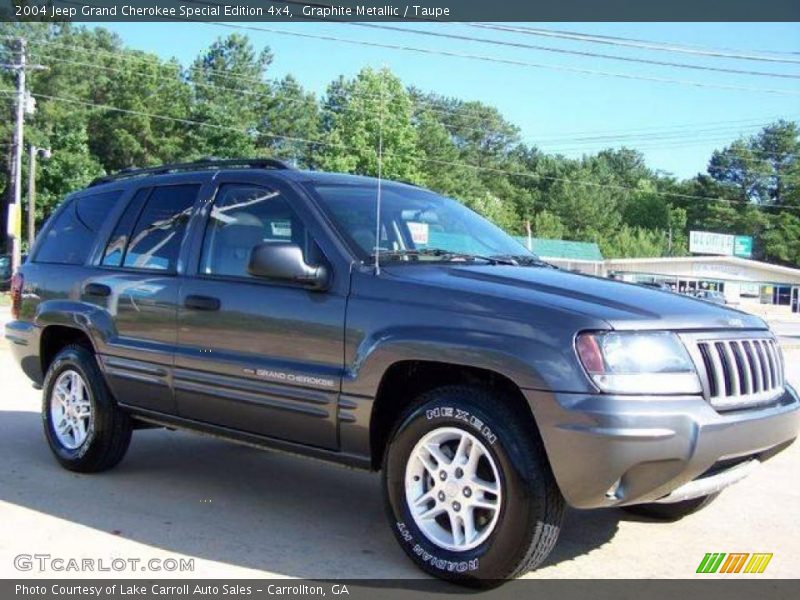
(405, 380)
(63, 322)
(56, 337)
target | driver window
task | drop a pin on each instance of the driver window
(242, 217)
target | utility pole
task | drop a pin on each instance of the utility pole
(33, 153)
(15, 209)
(670, 241)
(529, 234)
(14, 215)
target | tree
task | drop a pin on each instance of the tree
(370, 111)
(646, 208)
(549, 226)
(481, 134)
(291, 116)
(230, 98)
(782, 238)
(70, 167)
(629, 242)
(763, 168)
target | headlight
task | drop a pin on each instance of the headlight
(638, 363)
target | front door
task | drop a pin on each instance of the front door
(256, 355)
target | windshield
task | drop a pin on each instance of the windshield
(416, 225)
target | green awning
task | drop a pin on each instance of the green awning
(563, 249)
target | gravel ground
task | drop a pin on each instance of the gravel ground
(241, 512)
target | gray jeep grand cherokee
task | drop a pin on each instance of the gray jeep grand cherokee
(266, 305)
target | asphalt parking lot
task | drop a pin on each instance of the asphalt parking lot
(242, 512)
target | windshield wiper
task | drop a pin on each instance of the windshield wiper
(447, 255)
(527, 260)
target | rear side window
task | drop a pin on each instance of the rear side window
(69, 238)
(155, 241)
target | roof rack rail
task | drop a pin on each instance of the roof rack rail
(198, 165)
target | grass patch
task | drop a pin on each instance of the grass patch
(5, 299)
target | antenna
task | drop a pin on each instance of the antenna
(380, 172)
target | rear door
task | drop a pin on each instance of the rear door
(138, 276)
(256, 355)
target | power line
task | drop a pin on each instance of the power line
(247, 92)
(563, 143)
(606, 185)
(419, 104)
(414, 158)
(498, 60)
(755, 160)
(653, 135)
(466, 38)
(181, 120)
(574, 52)
(716, 52)
(155, 61)
(657, 128)
(634, 43)
(433, 106)
(479, 57)
(577, 142)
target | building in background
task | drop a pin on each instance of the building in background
(741, 280)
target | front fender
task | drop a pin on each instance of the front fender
(529, 363)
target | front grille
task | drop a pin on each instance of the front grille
(742, 372)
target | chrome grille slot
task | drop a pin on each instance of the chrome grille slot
(741, 373)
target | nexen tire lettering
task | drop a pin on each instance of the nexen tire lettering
(446, 412)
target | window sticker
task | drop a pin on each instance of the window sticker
(281, 228)
(419, 232)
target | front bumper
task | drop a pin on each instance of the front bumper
(617, 450)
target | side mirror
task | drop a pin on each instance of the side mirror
(283, 261)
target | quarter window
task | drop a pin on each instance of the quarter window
(70, 237)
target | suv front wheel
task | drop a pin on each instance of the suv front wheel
(469, 492)
(85, 428)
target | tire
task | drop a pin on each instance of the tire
(106, 430)
(528, 504)
(673, 511)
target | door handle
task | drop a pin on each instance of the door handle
(201, 302)
(97, 289)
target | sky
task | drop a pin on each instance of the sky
(676, 126)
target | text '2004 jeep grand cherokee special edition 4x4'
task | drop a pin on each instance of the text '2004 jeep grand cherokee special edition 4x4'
(243, 299)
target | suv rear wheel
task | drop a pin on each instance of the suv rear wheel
(85, 428)
(468, 489)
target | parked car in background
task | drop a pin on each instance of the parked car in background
(281, 308)
(658, 285)
(711, 296)
(5, 272)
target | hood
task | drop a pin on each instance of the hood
(621, 305)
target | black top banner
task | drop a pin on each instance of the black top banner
(392, 10)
